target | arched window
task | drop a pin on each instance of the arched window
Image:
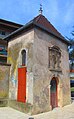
(23, 57)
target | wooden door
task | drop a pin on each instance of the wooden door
(21, 95)
(53, 91)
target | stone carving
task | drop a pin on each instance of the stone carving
(54, 58)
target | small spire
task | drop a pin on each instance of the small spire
(40, 10)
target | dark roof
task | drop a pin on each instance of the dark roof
(10, 24)
(41, 22)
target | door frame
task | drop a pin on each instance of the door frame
(21, 85)
(57, 81)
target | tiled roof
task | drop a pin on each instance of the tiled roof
(72, 71)
(10, 24)
(41, 20)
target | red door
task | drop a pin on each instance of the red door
(53, 91)
(21, 95)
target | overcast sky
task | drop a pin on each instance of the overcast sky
(59, 12)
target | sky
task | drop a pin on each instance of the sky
(59, 12)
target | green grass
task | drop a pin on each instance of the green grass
(72, 89)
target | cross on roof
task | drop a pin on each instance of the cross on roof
(40, 10)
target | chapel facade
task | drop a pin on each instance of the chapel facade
(39, 71)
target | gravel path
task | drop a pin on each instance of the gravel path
(9, 113)
(66, 112)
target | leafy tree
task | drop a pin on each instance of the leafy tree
(71, 52)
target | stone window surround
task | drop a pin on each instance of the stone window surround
(20, 57)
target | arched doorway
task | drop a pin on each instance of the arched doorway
(54, 92)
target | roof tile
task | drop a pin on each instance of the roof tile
(41, 20)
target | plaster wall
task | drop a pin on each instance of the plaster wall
(24, 41)
(36, 43)
(43, 75)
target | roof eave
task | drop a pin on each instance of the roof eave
(18, 30)
(9, 23)
(35, 24)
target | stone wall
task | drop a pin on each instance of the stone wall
(4, 82)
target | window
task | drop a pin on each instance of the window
(23, 57)
(54, 57)
(3, 50)
(2, 32)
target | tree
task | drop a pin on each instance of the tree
(71, 52)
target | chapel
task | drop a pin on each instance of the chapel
(39, 66)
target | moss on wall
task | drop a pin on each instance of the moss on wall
(3, 72)
(3, 94)
(23, 107)
(13, 56)
(2, 75)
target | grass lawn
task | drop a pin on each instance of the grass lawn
(72, 89)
